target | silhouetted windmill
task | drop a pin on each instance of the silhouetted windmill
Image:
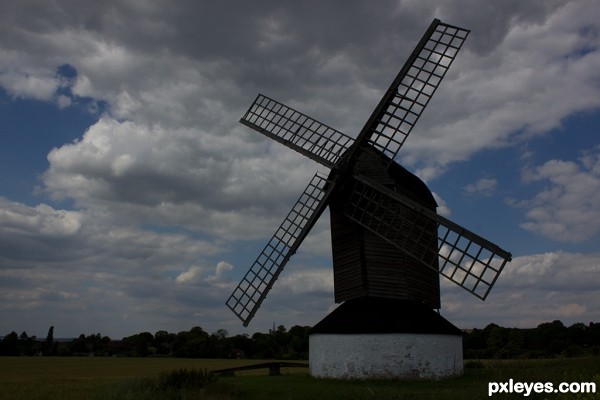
(387, 239)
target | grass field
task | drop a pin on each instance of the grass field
(119, 378)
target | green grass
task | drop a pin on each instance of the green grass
(472, 385)
(51, 378)
(140, 378)
(178, 384)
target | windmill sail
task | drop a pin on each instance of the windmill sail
(253, 288)
(408, 95)
(296, 130)
(465, 258)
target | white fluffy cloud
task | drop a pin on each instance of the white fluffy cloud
(85, 269)
(189, 275)
(567, 208)
(197, 274)
(495, 100)
(176, 177)
(483, 187)
(531, 290)
(18, 218)
(307, 281)
(39, 86)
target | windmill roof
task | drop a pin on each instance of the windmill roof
(381, 315)
(407, 183)
(413, 184)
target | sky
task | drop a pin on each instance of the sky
(132, 199)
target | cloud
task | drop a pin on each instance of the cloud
(483, 187)
(39, 86)
(222, 268)
(17, 218)
(567, 209)
(196, 275)
(499, 98)
(571, 310)
(88, 270)
(70, 236)
(221, 278)
(443, 208)
(531, 290)
(188, 275)
(181, 177)
(307, 281)
(494, 95)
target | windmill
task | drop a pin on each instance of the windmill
(389, 245)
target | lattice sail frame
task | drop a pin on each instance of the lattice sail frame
(258, 281)
(415, 84)
(391, 121)
(464, 257)
(297, 130)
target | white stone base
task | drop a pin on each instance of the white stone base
(385, 355)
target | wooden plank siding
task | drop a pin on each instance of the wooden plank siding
(349, 275)
(366, 265)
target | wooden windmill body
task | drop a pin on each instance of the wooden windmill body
(389, 244)
(364, 264)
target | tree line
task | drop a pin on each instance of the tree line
(279, 343)
(547, 340)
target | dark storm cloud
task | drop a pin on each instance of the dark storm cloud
(490, 22)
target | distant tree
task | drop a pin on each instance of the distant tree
(515, 346)
(552, 337)
(496, 339)
(221, 333)
(50, 335)
(581, 334)
(218, 346)
(79, 345)
(265, 346)
(298, 343)
(10, 345)
(242, 346)
(48, 347)
(28, 345)
(193, 343)
(140, 345)
(94, 344)
(163, 342)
